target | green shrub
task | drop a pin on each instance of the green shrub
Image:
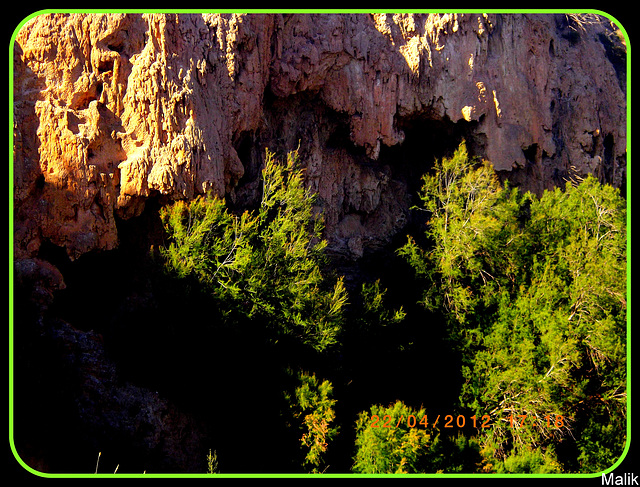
(264, 266)
(388, 442)
(312, 407)
(534, 293)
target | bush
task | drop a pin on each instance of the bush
(312, 407)
(534, 292)
(386, 442)
(264, 266)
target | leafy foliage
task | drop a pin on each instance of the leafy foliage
(455, 453)
(534, 290)
(266, 265)
(381, 449)
(529, 461)
(399, 439)
(374, 312)
(312, 407)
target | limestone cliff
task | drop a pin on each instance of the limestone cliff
(111, 110)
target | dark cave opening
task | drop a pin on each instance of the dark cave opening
(426, 140)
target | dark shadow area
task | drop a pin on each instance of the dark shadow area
(408, 361)
(167, 336)
(46, 429)
(411, 361)
(426, 140)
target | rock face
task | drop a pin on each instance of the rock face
(111, 110)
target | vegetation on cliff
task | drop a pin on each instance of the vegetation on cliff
(531, 291)
(263, 266)
(491, 338)
(534, 293)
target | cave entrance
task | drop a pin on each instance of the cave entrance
(426, 140)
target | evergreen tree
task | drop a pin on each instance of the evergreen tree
(265, 266)
(388, 442)
(534, 290)
(313, 409)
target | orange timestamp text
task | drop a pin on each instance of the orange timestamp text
(517, 420)
(448, 421)
(457, 421)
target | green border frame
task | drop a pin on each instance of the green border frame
(310, 11)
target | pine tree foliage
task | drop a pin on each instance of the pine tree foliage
(527, 461)
(533, 291)
(535, 294)
(265, 265)
(387, 442)
(464, 226)
(374, 312)
(313, 409)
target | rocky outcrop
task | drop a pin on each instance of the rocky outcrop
(71, 400)
(127, 106)
(110, 110)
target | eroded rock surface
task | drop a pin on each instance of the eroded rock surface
(110, 110)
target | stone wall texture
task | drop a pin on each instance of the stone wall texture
(112, 109)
